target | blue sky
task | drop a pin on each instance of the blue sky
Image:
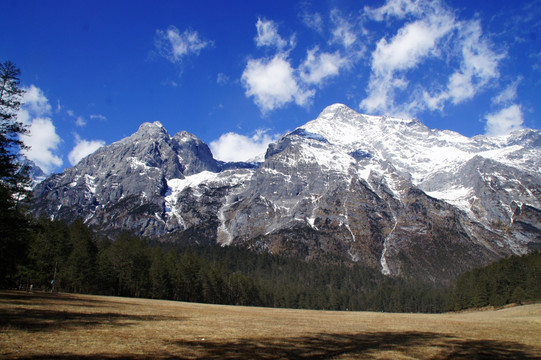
(239, 73)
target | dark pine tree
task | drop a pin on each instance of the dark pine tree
(13, 181)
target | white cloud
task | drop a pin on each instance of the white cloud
(343, 32)
(313, 20)
(98, 117)
(236, 147)
(321, 65)
(267, 35)
(222, 79)
(504, 121)
(80, 121)
(35, 103)
(42, 137)
(174, 46)
(83, 148)
(478, 66)
(272, 83)
(43, 141)
(394, 8)
(381, 90)
(460, 87)
(412, 44)
(430, 31)
(508, 94)
(479, 62)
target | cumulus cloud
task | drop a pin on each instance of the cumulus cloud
(321, 65)
(42, 137)
(35, 102)
(236, 147)
(174, 46)
(274, 81)
(412, 44)
(267, 35)
(43, 141)
(429, 30)
(273, 84)
(83, 148)
(478, 66)
(504, 121)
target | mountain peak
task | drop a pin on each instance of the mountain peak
(153, 127)
(184, 136)
(333, 110)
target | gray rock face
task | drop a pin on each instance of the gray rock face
(122, 186)
(389, 193)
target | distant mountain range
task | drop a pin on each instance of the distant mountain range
(385, 192)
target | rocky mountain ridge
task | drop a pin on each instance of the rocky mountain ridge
(389, 193)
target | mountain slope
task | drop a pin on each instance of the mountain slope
(389, 193)
(124, 186)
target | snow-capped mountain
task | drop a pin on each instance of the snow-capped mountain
(432, 159)
(35, 173)
(389, 193)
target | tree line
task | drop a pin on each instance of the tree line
(516, 279)
(74, 258)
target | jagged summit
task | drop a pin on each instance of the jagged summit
(186, 136)
(147, 125)
(151, 127)
(344, 126)
(385, 192)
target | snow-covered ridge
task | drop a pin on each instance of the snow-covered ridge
(429, 157)
(392, 137)
(177, 186)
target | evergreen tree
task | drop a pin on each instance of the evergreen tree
(47, 256)
(127, 261)
(512, 280)
(81, 263)
(13, 181)
(159, 275)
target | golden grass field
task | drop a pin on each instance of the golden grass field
(66, 326)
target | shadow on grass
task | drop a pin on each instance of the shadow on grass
(375, 345)
(41, 297)
(39, 319)
(42, 320)
(366, 346)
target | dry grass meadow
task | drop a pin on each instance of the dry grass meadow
(65, 326)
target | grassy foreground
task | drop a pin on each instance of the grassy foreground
(66, 326)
